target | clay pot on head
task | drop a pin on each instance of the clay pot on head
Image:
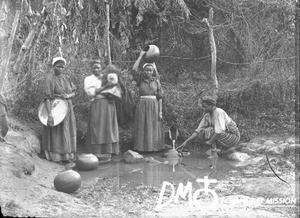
(67, 181)
(152, 53)
(86, 162)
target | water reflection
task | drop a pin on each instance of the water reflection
(186, 169)
(151, 174)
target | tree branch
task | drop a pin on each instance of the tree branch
(213, 49)
(30, 40)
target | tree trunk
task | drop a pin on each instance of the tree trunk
(7, 41)
(107, 32)
(30, 40)
(297, 68)
(215, 84)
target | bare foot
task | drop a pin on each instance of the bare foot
(2, 139)
(213, 155)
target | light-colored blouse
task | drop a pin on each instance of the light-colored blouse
(219, 120)
(150, 86)
(91, 83)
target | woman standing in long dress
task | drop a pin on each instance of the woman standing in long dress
(148, 130)
(59, 142)
(103, 132)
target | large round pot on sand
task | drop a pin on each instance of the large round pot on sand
(152, 53)
(86, 162)
(67, 181)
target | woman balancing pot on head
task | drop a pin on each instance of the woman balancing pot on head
(148, 129)
(59, 142)
(103, 133)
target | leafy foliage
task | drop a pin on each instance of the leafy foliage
(255, 50)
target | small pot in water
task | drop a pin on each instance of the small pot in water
(86, 162)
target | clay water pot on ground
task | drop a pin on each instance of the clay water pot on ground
(87, 162)
(67, 181)
(152, 53)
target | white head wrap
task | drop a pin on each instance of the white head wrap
(148, 64)
(58, 59)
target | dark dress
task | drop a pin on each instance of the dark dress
(103, 129)
(148, 130)
(59, 142)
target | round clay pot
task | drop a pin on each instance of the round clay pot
(86, 162)
(67, 181)
(152, 53)
(172, 154)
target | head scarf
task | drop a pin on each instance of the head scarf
(209, 100)
(155, 73)
(148, 64)
(95, 61)
(58, 59)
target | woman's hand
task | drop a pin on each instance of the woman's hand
(66, 96)
(154, 66)
(50, 121)
(208, 142)
(137, 62)
(142, 53)
(108, 85)
(160, 116)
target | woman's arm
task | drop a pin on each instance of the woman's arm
(70, 95)
(50, 121)
(159, 97)
(160, 109)
(138, 61)
(49, 93)
(193, 136)
(213, 139)
(99, 90)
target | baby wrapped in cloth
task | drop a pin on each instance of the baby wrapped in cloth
(110, 80)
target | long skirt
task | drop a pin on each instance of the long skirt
(148, 130)
(228, 139)
(103, 132)
(59, 142)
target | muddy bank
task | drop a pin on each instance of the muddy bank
(26, 189)
(26, 182)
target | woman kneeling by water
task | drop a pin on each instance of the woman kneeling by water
(216, 128)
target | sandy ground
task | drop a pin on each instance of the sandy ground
(26, 189)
